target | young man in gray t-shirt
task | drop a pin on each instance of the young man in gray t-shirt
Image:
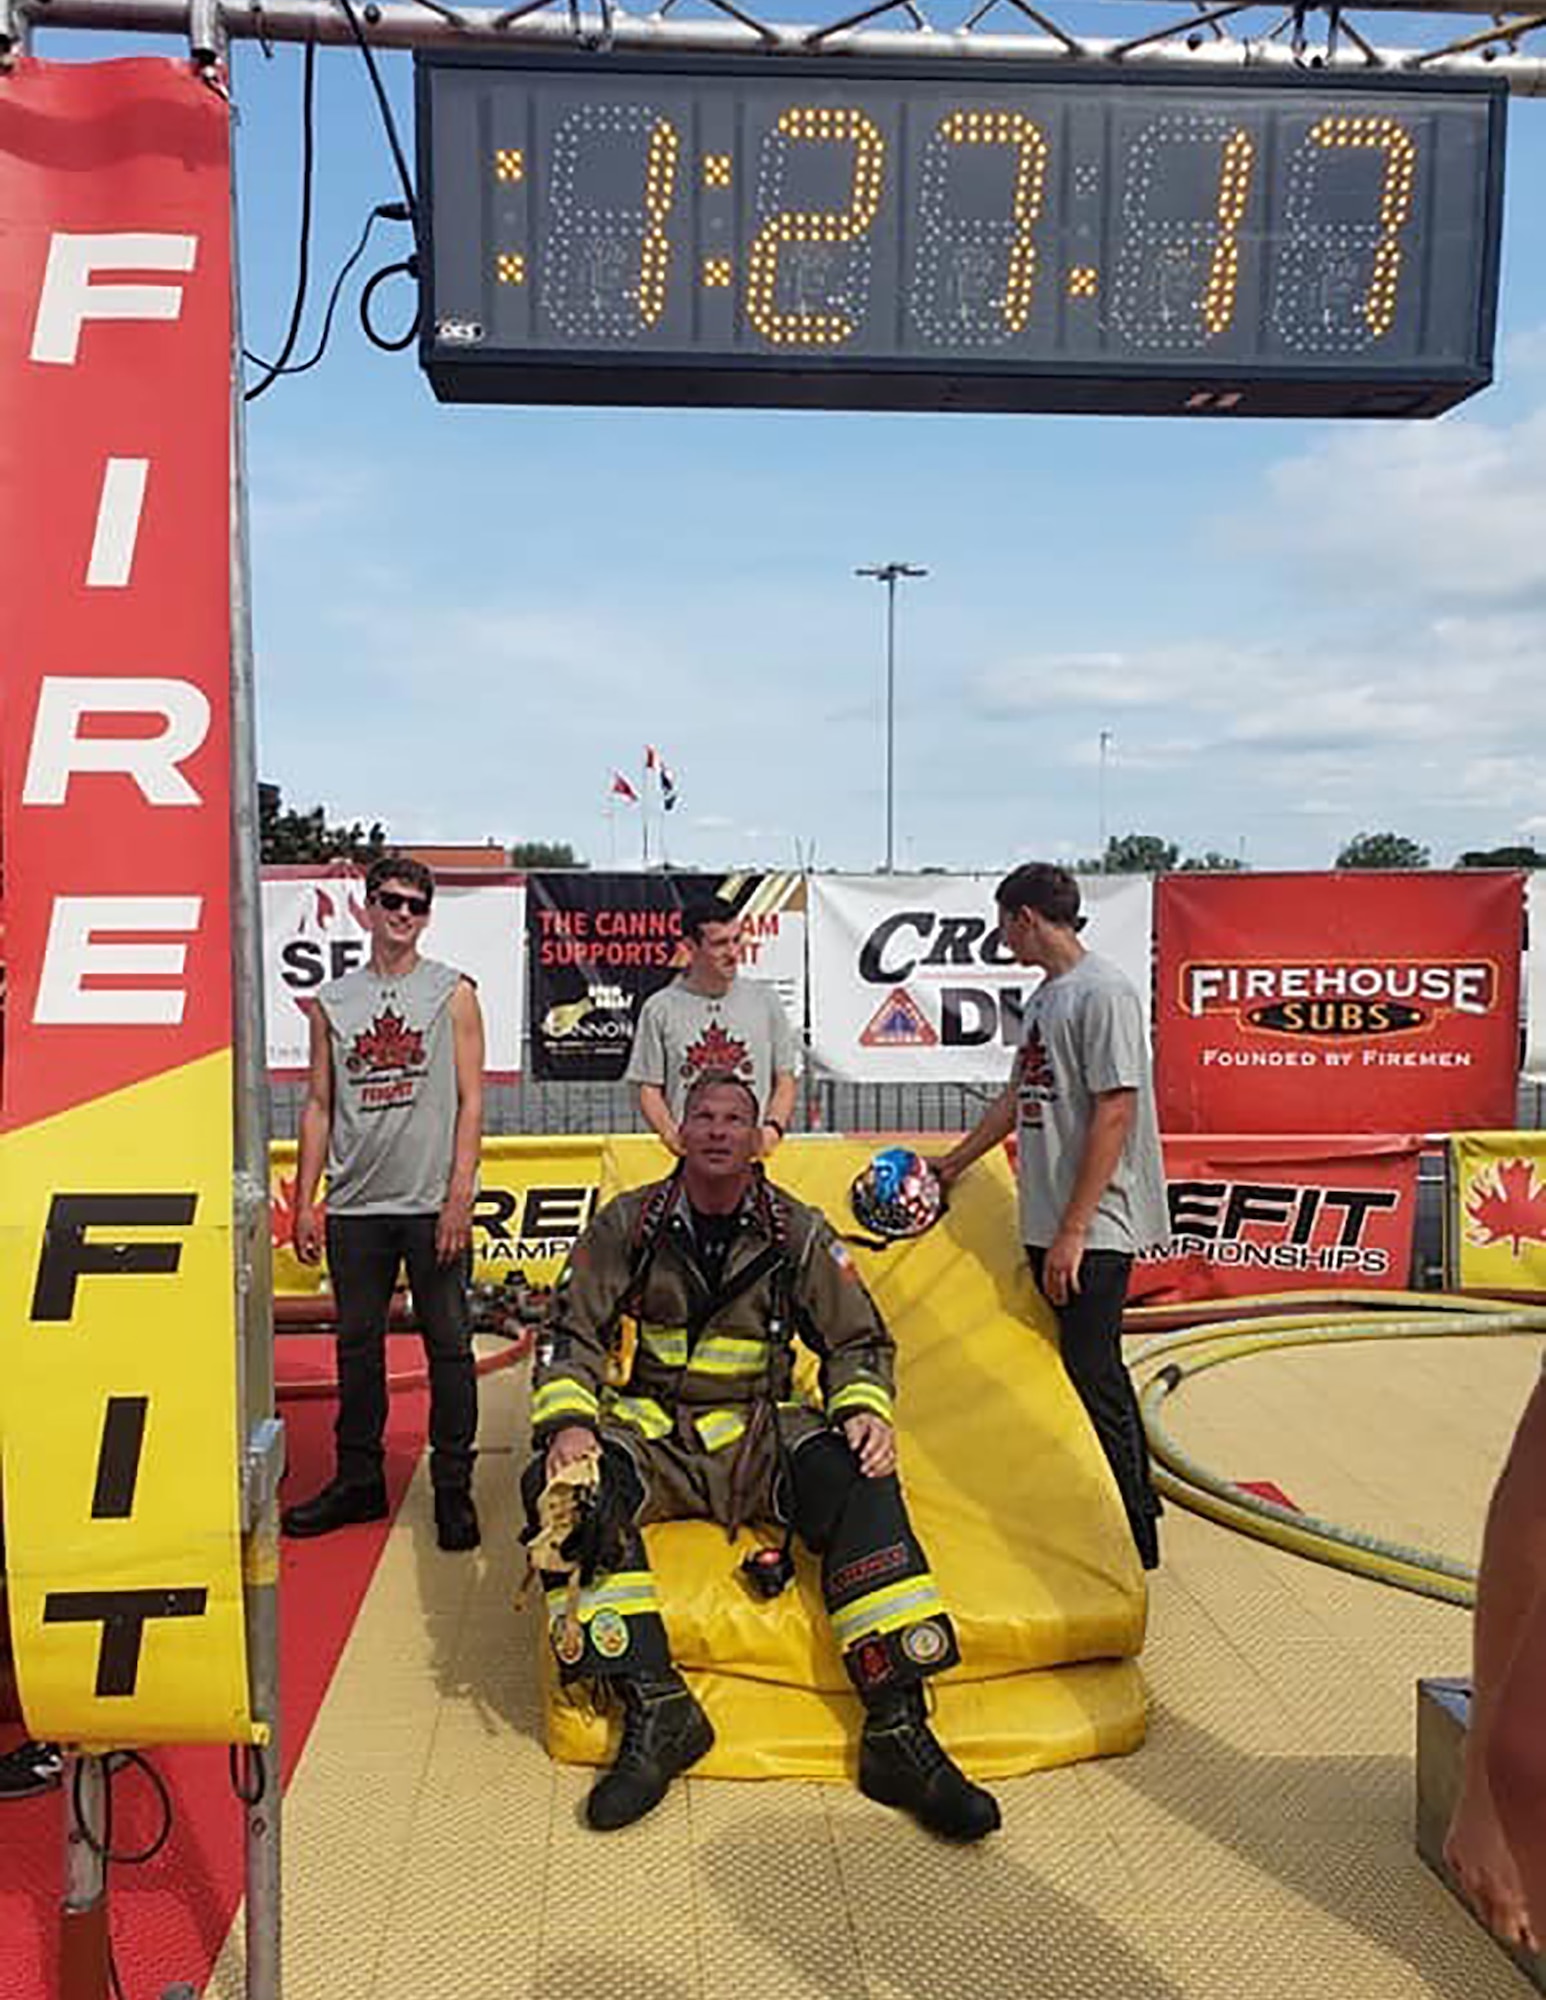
(710, 1020)
(1080, 1100)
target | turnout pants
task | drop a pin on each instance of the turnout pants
(364, 1254)
(1090, 1336)
(887, 1615)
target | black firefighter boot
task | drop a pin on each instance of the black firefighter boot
(664, 1730)
(903, 1763)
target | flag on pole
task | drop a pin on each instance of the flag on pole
(623, 790)
(653, 761)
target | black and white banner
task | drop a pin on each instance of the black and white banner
(601, 944)
(313, 931)
(911, 983)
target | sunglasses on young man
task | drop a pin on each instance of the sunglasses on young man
(393, 900)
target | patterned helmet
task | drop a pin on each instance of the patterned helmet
(897, 1195)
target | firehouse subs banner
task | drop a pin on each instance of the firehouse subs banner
(1337, 1003)
(118, 1395)
(911, 983)
(1535, 976)
(1497, 1220)
(534, 1198)
(1275, 1215)
(313, 932)
(599, 945)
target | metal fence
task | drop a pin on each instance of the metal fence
(826, 1104)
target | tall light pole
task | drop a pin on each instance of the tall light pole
(1105, 743)
(888, 573)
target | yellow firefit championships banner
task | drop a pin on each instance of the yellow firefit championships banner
(534, 1198)
(1497, 1230)
(118, 1362)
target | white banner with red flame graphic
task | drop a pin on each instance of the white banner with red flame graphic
(314, 931)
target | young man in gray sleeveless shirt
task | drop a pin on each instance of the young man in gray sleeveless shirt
(394, 1108)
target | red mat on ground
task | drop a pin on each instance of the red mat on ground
(170, 1917)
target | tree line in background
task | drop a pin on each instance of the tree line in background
(1147, 854)
(288, 835)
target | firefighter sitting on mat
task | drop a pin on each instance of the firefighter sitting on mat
(707, 1277)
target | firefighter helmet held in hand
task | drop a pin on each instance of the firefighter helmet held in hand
(897, 1195)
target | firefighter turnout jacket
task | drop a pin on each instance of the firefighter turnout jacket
(681, 1358)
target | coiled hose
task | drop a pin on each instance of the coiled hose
(1328, 1318)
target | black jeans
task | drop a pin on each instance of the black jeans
(364, 1253)
(1090, 1336)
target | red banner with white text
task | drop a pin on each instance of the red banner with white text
(1251, 1215)
(118, 1391)
(1355, 1002)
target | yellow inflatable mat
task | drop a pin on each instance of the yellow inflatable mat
(1009, 1492)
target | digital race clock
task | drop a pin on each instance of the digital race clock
(864, 234)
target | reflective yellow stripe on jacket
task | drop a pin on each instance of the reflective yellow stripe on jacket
(856, 1396)
(641, 1413)
(728, 1354)
(665, 1344)
(887, 1609)
(625, 1590)
(718, 1428)
(563, 1398)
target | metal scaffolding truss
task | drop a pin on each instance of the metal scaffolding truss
(1461, 37)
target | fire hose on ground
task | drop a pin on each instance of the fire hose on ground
(1261, 1325)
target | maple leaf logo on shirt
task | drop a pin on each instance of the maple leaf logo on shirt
(715, 1050)
(1506, 1204)
(388, 1043)
(1036, 1072)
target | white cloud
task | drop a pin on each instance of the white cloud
(1455, 510)
(1429, 728)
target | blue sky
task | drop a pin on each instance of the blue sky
(467, 617)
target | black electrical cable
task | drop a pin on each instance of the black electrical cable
(253, 1794)
(385, 109)
(303, 271)
(389, 211)
(103, 1847)
(410, 267)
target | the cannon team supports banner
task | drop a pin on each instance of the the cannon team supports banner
(1252, 1215)
(312, 932)
(1354, 1002)
(1496, 1238)
(911, 983)
(118, 1394)
(598, 945)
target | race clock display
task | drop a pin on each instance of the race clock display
(873, 234)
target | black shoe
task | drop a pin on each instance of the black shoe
(29, 1769)
(664, 1730)
(902, 1763)
(336, 1506)
(456, 1519)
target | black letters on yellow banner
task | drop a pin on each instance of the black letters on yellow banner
(65, 1257)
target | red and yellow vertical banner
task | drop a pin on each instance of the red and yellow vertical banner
(119, 1452)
